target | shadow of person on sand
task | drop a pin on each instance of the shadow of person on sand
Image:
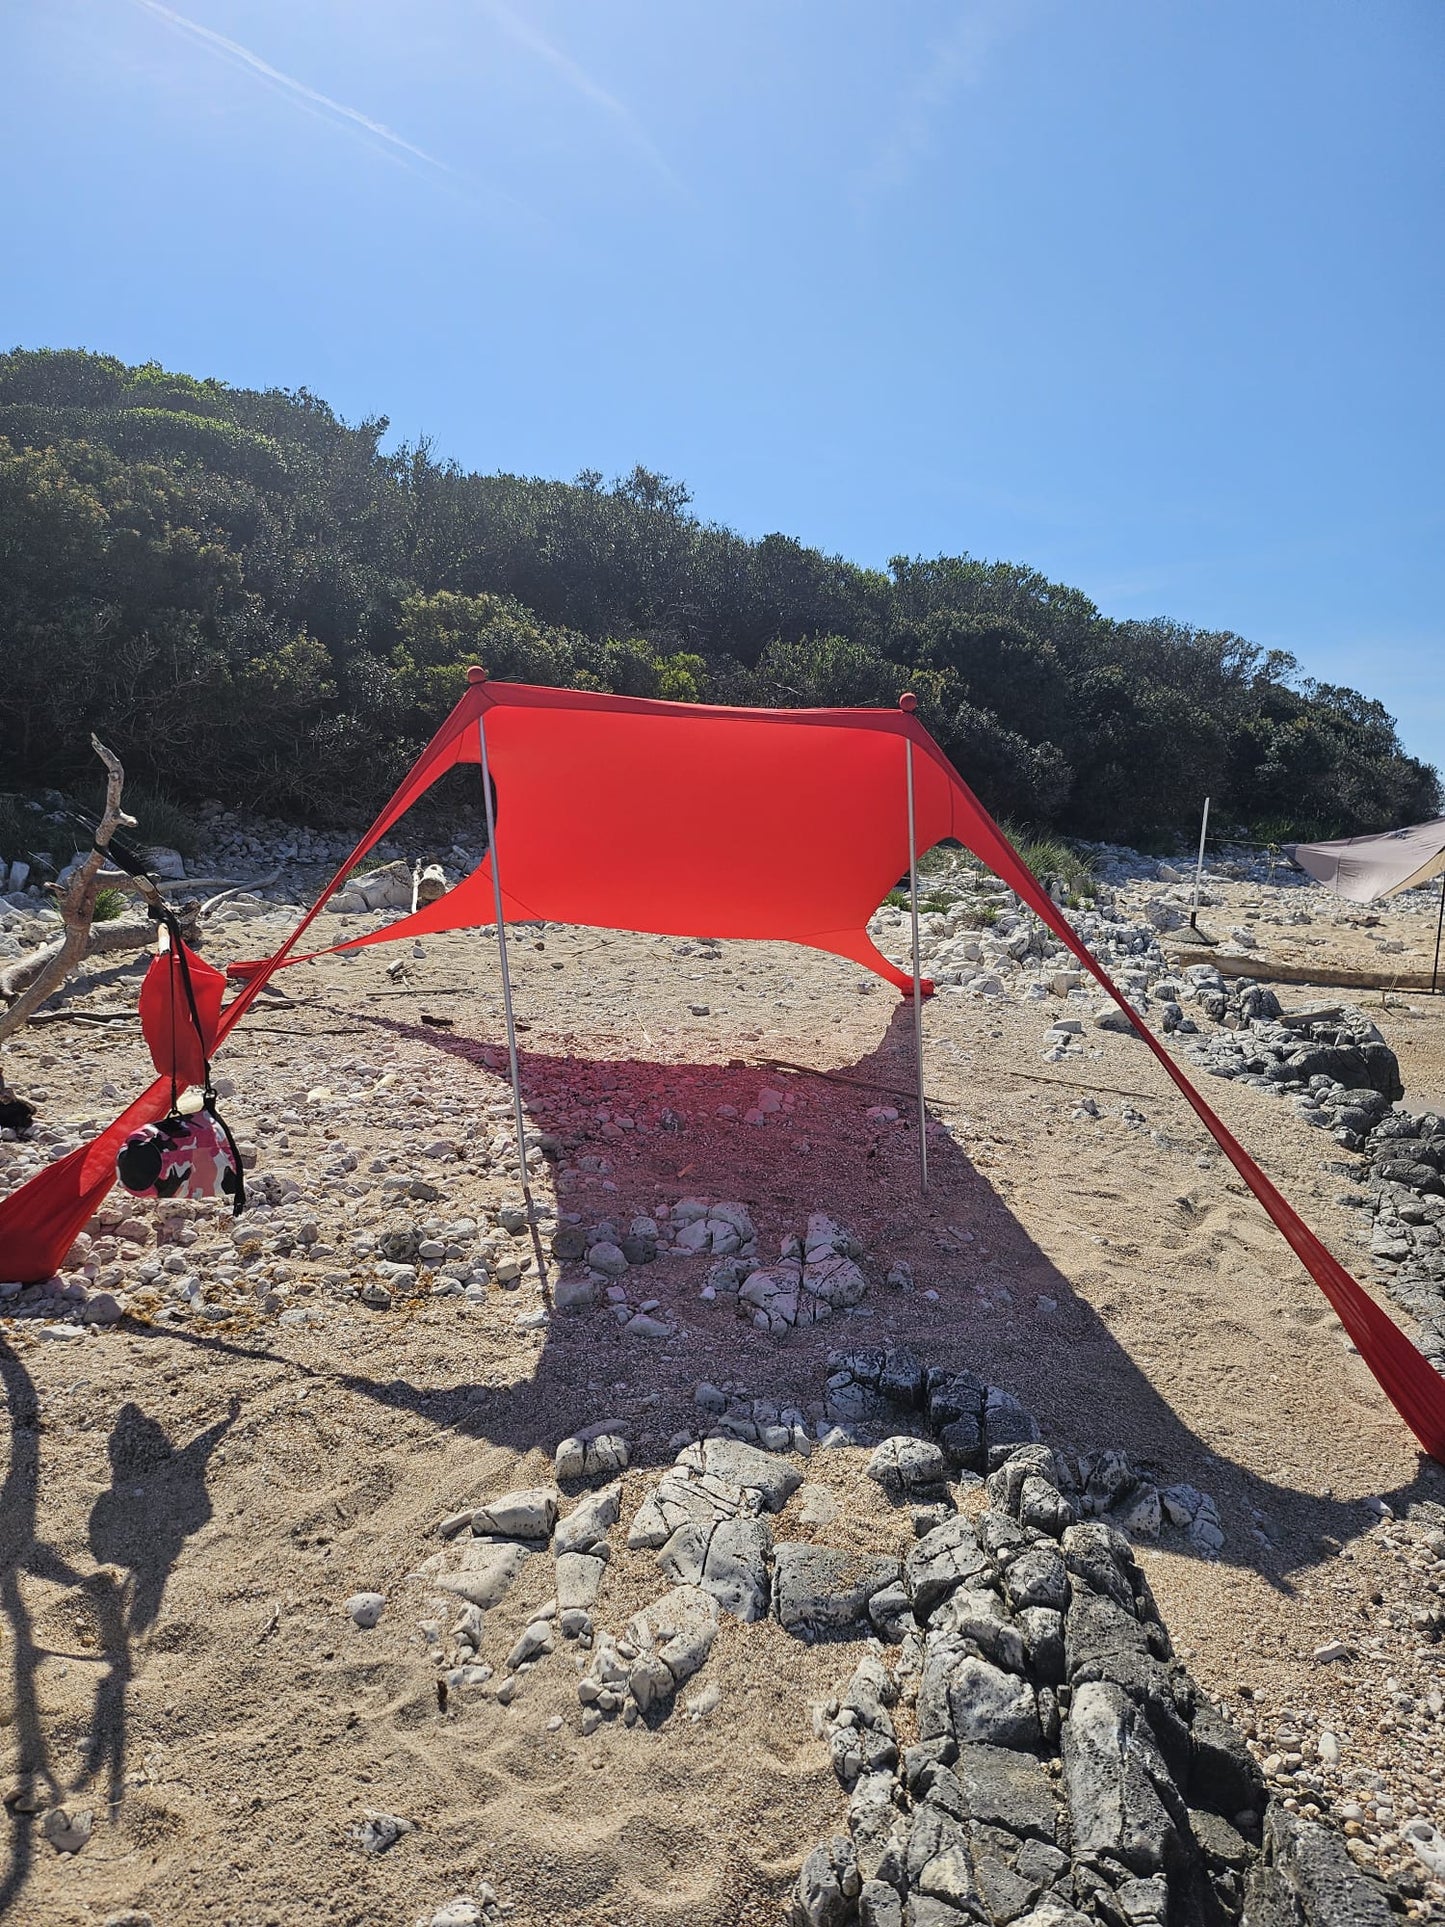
(36, 1786)
(156, 1501)
(1036, 1337)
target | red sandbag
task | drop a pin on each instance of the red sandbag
(166, 1018)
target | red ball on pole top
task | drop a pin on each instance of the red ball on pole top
(476, 673)
(908, 702)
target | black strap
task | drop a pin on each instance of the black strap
(116, 852)
(208, 1100)
(240, 1203)
(179, 959)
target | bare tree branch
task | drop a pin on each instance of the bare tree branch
(75, 900)
(120, 880)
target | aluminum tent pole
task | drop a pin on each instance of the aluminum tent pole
(917, 979)
(1199, 868)
(516, 1075)
(1439, 926)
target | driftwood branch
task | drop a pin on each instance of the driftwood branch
(35, 978)
(102, 940)
(236, 890)
(121, 880)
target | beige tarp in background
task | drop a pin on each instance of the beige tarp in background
(1366, 867)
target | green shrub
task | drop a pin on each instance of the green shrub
(109, 904)
(15, 832)
(160, 823)
(26, 833)
(247, 597)
(1052, 860)
(941, 861)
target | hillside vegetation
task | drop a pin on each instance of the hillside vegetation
(251, 600)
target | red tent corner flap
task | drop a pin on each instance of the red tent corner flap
(41, 1221)
(858, 947)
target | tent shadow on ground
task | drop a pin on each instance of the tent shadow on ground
(137, 1530)
(1086, 1389)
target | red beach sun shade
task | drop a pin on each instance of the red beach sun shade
(688, 820)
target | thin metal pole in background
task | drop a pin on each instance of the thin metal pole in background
(917, 979)
(1439, 926)
(1199, 868)
(516, 1075)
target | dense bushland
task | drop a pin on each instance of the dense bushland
(251, 600)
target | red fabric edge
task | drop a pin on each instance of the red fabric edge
(1405, 1375)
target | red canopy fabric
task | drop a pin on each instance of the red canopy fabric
(685, 819)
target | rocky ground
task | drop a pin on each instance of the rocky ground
(266, 1627)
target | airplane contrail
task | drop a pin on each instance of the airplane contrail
(535, 42)
(233, 50)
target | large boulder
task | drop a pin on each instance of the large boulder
(1101, 1557)
(1122, 1802)
(907, 1467)
(1006, 1423)
(976, 1617)
(1003, 1787)
(819, 1589)
(940, 1869)
(828, 1886)
(485, 1573)
(1104, 1644)
(1307, 1879)
(588, 1521)
(579, 1577)
(943, 1560)
(956, 1412)
(678, 1499)
(167, 864)
(729, 1560)
(990, 1707)
(1037, 1578)
(966, 1698)
(774, 1479)
(1043, 1635)
(673, 1635)
(526, 1514)
(1098, 1633)
(1372, 1065)
(388, 887)
(1223, 1774)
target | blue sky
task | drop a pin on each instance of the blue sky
(1145, 294)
